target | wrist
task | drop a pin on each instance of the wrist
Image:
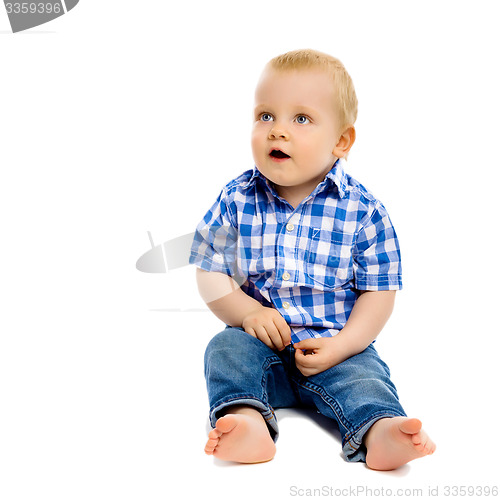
(346, 344)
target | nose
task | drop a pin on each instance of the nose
(278, 132)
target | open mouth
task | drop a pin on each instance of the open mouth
(278, 154)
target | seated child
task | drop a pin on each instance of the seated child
(302, 263)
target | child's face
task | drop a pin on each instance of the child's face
(294, 113)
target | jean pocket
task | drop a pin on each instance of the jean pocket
(328, 258)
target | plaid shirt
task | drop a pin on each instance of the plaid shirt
(309, 262)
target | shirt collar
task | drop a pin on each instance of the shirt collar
(336, 176)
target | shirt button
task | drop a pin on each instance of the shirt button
(286, 276)
(286, 305)
(289, 227)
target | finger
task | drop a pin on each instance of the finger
(251, 332)
(307, 372)
(311, 343)
(262, 335)
(301, 362)
(304, 360)
(284, 330)
(274, 335)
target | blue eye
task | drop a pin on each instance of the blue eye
(302, 120)
(266, 117)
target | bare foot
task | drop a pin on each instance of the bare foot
(242, 437)
(392, 442)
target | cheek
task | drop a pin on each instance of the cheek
(256, 150)
(319, 146)
(257, 140)
(307, 147)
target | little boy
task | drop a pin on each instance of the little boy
(302, 263)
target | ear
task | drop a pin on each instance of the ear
(345, 142)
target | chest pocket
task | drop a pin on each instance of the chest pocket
(328, 258)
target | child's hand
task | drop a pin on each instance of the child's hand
(269, 326)
(320, 355)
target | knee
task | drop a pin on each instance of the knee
(225, 338)
(367, 366)
(226, 342)
(235, 345)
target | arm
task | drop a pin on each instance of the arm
(231, 304)
(224, 297)
(368, 316)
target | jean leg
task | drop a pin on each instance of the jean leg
(242, 370)
(356, 393)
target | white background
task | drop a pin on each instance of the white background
(125, 117)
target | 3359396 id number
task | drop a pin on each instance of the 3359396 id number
(33, 8)
(470, 491)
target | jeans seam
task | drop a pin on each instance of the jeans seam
(333, 404)
(265, 367)
(239, 397)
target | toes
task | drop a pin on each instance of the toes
(410, 426)
(430, 447)
(215, 434)
(222, 426)
(226, 424)
(210, 446)
(423, 444)
(212, 443)
(419, 441)
(419, 447)
(416, 439)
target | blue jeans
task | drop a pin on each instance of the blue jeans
(242, 370)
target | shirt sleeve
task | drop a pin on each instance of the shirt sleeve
(376, 254)
(215, 238)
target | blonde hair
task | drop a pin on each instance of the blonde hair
(347, 102)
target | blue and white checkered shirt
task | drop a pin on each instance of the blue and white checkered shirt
(309, 262)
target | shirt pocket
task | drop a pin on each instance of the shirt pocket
(328, 258)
